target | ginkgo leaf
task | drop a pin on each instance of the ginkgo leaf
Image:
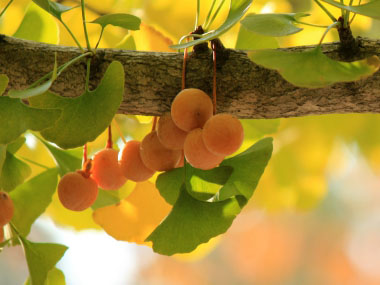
(313, 69)
(3, 83)
(32, 198)
(135, 217)
(192, 222)
(85, 117)
(370, 9)
(126, 21)
(41, 258)
(38, 26)
(13, 172)
(248, 40)
(54, 8)
(237, 10)
(54, 277)
(274, 25)
(14, 146)
(16, 118)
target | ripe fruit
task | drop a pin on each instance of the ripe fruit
(77, 191)
(6, 208)
(169, 134)
(223, 134)
(157, 157)
(106, 170)
(197, 154)
(191, 108)
(131, 164)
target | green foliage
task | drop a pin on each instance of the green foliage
(32, 198)
(105, 198)
(313, 69)
(54, 277)
(53, 8)
(3, 83)
(16, 118)
(41, 258)
(256, 129)
(13, 172)
(126, 21)
(193, 221)
(273, 25)
(85, 117)
(248, 40)
(237, 10)
(370, 9)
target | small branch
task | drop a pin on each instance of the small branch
(153, 79)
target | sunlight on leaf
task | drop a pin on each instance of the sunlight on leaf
(126, 21)
(150, 38)
(237, 10)
(54, 277)
(32, 198)
(13, 173)
(248, 40)
(85, 117)
(134, 218)
(370, 9)
(41, 258)
(53, 8)
(312, 68)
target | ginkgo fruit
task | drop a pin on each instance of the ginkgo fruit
(223, 134)
(169, 134)
(157, 157)
(197, 154)
(106, 170)
(191, 108)
(131, 164)
(6, 208)
(77, 190)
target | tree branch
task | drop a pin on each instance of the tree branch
(153, 79)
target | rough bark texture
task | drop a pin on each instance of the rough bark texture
(153, 79)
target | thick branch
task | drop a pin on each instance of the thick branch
(153, 79)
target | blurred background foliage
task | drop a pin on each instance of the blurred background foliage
(314, 218)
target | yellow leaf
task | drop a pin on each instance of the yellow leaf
(149, 38)
(135, 217)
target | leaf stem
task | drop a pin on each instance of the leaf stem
(353, 17)
(88, 69)
(84, 25)
(312, 25)
(100, 37)
(333, 25)
(196, 15)
(347, 16)
(5, 8)
(326, 11)
(72, 35)
(209, 12)
(34, 162)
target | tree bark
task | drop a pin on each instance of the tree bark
(153, 79)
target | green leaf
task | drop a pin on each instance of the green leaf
(53, 8)
(54, 277)
(85, 117)
(32, 198)
(169, 184)
(66, 160)
(3, 83)
(204, 184)
(248, 167)
(105, 198)
(128, 43)
(3, 155)
(126, 21)
(13, 173)
(370, 9)
(192, 222)
(247, 40)
(14, 146)
(38, 90)
(38, 26)
(273, 25)
(256, 129)
(16, 118)
(313, 69)
(41, 259)
(237, 10)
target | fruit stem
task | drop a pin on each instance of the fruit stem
(109, 141)
(119, 131)
(154, 123)
(84, 154)
(214, 77)
(184, 68)
(86, 168)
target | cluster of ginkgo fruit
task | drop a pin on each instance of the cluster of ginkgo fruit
(6, 212)
(190, 131)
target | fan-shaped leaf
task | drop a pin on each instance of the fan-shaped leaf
(370, 9)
